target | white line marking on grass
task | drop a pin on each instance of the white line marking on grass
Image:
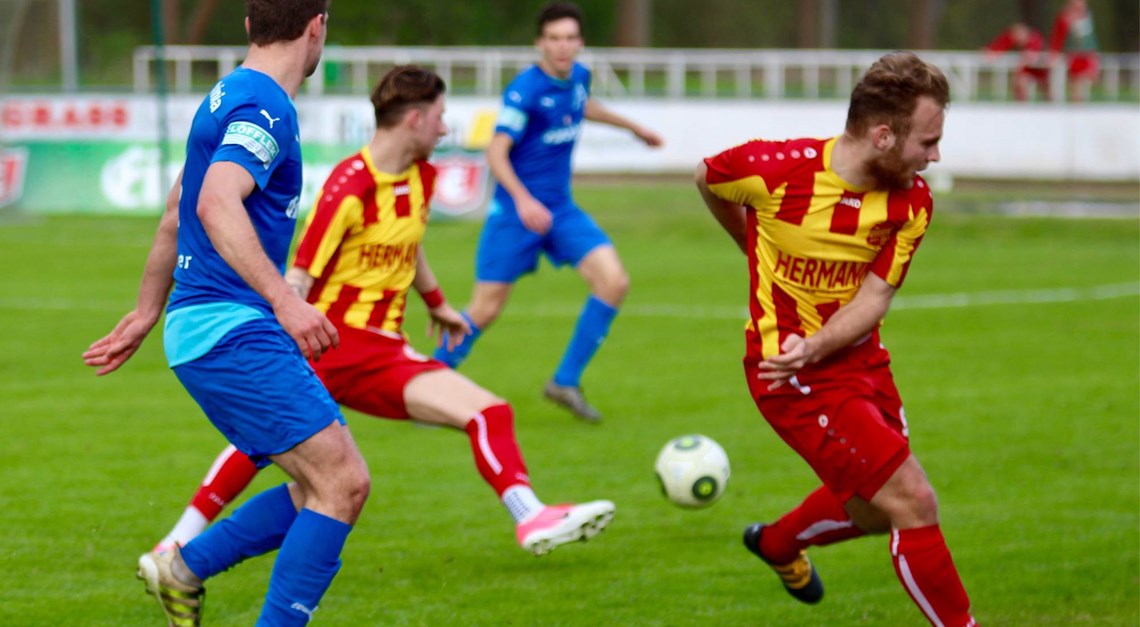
(1016, 297)
(701, 312)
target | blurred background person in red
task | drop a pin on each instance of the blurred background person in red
(1032, 71)
(1073, 35)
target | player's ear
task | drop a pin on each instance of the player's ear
(317, 24)
(413, 117)
(882, 136)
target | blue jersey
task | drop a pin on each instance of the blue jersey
(247, 119)
(543, 115)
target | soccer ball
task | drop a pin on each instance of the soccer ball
(693, 470)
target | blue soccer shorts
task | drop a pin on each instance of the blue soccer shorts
(258, 390)
(508, 250)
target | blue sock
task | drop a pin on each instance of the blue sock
(306, 564)
(456, 355)
(257, 527)
(593, 325)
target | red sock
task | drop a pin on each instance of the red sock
(497, 455)
(927, 572)
(231, 473)
(818, 521)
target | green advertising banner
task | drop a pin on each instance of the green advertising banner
(123, 177)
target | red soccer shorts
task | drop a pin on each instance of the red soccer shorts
(1037, 73)
(850, 427)
(1084, 65)
(368, 372)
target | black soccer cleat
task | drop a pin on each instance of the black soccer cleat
(799, 577)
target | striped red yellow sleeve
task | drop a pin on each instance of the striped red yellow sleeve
(334, 214)
(735, 175)
(893, 261)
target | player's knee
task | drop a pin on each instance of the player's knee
(340, 492)
(613, 287)
(920, 506)
(355, 490)
(926, 502)
(620, 284)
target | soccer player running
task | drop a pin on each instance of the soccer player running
(829, 227)
(237, 334)
(359, 253)
(533, 211)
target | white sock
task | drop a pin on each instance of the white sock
(521, 503)
(188, 527)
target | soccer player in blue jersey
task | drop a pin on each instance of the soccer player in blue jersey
(533, 212)
(237, 335)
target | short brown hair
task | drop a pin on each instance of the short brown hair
(403, 87)
(271, 21)
(554, 11)
(888, 93)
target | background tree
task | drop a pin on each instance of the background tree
(633, 21)
(110, 30)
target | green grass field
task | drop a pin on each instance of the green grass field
(1019, 368)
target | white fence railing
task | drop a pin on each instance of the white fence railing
(638, 72)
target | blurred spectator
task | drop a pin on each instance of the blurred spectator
(1031, 71)
(1073, 35)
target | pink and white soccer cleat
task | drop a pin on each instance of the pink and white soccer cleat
(556, 525)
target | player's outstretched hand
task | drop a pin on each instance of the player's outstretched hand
(451, 325)
(795, 353)
(114, 349)
(651, 139)
(534, 215)
(308, 327)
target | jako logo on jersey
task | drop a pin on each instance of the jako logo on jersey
(401, 190)
(216, 96)
(270, 118)
(854, 203)
(561, 135)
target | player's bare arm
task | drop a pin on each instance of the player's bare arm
(300, 280)
(851, 322)
(729, 215)
(227, 224)
(444, 318)
(596, 112)
(114, 349)
(534, 215)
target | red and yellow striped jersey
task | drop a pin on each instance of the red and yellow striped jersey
(361, 241)
(812, 237)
